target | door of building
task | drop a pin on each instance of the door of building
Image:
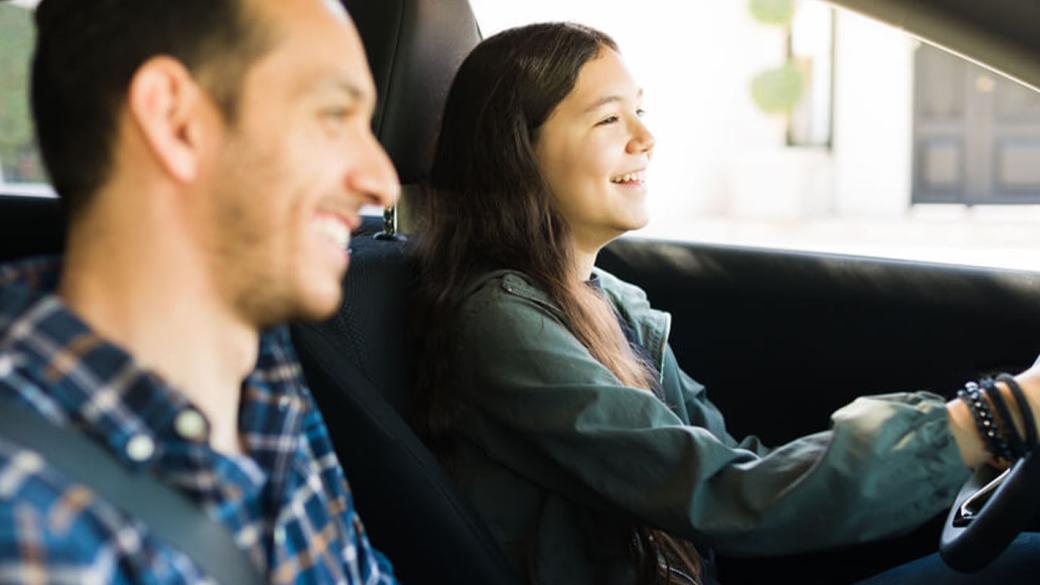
(976, 134)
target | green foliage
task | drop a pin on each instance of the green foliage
(17, 152)
(773, 12)
(16, 43)
(778, 91)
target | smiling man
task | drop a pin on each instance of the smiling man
(213, 156)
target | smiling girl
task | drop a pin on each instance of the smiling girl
(549, 388)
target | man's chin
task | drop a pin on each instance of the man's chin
(318, 307)
(309, 308)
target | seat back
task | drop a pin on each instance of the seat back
(30, 226)
(356, 363)
(356, 367)
(414, 48)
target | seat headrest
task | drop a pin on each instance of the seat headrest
(414, 49)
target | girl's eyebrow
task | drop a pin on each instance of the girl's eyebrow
(609, 99)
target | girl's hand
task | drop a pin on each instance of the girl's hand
(1030, 382)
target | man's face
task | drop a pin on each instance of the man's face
(287, 179)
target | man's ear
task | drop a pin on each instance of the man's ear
(166, 105)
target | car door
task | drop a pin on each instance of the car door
(782, 339)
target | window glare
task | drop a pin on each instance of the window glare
(724, 172)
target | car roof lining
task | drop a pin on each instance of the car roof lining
(1000, 35)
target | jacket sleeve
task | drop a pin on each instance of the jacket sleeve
(541, 404)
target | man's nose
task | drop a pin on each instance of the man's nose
(373, 176)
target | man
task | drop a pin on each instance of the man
(213, 156)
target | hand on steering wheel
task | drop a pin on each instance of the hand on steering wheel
(994, 506)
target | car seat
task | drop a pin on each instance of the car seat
(356, 362)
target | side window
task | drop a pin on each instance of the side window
(791, 124)
(976, 135)
(20, 168)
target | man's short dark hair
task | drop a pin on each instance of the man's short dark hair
(87, 52)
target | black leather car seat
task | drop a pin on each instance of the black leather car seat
(356, 362)
(30, 226)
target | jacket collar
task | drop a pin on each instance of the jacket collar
(651, 325)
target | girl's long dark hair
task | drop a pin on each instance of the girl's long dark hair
(487, 207)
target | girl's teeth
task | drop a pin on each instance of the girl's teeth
(630, 177)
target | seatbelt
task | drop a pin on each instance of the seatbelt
(168, 514)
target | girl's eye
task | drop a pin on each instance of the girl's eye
(640, 112)
(606, 121)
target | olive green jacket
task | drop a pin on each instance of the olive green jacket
(560, 458)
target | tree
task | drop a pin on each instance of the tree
(777, 90)
(17, 36)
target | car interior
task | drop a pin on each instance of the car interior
(781, 339)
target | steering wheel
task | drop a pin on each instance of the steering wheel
(989, 512)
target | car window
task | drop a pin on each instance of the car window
(21, 171)
(779, 123)
(789, 124)
(21, 167)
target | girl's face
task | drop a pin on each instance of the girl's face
(593, 151)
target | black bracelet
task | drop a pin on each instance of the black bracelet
(1010, 433)
(1023, 407)
(971, 394)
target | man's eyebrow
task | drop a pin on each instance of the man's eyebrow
(609, 99)
(354, 90)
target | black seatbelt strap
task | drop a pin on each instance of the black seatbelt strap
(168, 514)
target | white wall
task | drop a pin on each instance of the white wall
(717, 154)
(695, 61)
(873, 126)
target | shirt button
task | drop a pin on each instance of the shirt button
(140, 448)
(279, 536)
(191, 425)
(284, 402)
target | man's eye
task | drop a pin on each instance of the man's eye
(335, 114)
(334, 120)
(608, 120)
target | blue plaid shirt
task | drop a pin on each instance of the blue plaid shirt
(286, 501)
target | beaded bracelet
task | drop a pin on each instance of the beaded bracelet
(971, 394)
(1010, 433)
(1023, 407)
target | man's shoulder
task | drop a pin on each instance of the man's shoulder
(49, 525)
(55, 530)
(47, 522)
(20, 388)
(27, 482)
(22, 284)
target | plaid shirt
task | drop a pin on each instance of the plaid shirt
(286, 502)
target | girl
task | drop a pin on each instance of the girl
(549, 388)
